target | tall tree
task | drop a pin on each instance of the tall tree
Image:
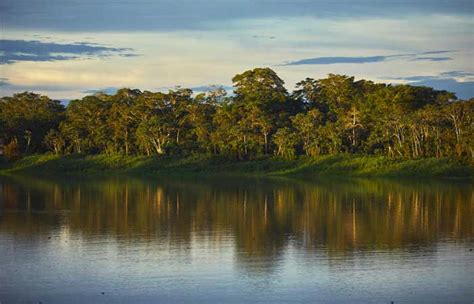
(265, 100)
(27, 117)
(86, 126)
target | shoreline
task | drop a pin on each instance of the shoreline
(341, 165)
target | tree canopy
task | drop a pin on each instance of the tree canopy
(333, 115)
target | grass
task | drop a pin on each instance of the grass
(334, 165)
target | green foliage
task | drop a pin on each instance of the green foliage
(330, 116)
(26, 118)
(12, 150)
(286, 141)
(307, 126)
(307, 167)
(55, 141)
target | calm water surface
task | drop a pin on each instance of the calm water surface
(234, 241)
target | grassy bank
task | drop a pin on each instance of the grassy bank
(337, 165)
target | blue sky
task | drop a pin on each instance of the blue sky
(69, 48)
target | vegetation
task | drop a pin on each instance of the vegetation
(303, 166)
(319, 120)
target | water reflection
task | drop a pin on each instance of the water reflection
(243, 240)
(262, 216)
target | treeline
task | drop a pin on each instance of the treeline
(326, 116)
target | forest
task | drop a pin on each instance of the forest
(327, 116)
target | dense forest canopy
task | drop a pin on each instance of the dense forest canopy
(326, 116)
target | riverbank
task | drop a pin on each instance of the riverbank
(335, 165)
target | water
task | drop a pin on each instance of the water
(234, 241)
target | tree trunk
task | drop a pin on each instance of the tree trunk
(265, 134)
(245, 145)
(126, 142)
(158, 146)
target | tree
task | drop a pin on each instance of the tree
(286, 141)
(264, 99)
(86, 127)
(12, 151)
(307, 126)
(200, 115)
(121, 119)
(153, 134)
(152, 113)
(333, 115)
(27, 117)
(460, 115)
(55, 141)
(308, 94)
(229, 136)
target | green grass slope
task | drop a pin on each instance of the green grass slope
(335, 165)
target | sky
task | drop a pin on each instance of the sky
(67, 49)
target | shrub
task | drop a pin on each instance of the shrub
(12, 151)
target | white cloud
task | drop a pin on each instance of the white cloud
(197, 57)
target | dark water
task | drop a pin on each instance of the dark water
(235, 241)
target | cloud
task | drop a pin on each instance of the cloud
(4, 82)
(32, 50)
(111, 15)
(15, 88)
(432, 59)
(196, 89)
(336, 60)
(438, 52)
(206, 88)
(463, 90)
(444, 75)
(446, 81)
(370, 59)
(457, 74)
(263, 37)
(108, 90)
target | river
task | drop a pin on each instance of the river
(229, 240)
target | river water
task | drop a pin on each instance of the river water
(169, 240)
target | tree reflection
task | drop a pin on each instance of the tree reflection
(263, 217)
